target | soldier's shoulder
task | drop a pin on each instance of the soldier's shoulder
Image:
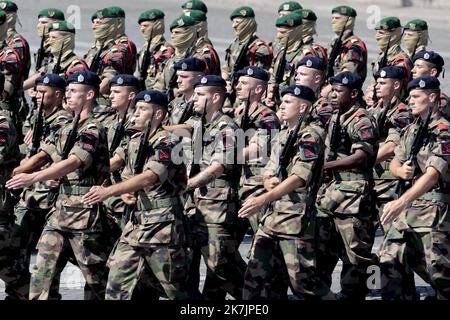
(362, 118)
(226, 122)
(441, 126)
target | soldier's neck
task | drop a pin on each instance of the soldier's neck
(49, 110)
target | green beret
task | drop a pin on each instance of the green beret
(195, 5)
(307, 14)
(182, 21)
(150, 15)
(416, 25)
(289, 6)
(344, 10)
(8, 6)
(242, 12)
(388, 23)
(292, 19)
(2, 17)
(52, 13)
(110, 12)
(63, 26)
(197, 15)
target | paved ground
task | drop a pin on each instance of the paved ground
(221, 33)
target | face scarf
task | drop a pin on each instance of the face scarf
(158, 31)
(337, 25)
(68, 41)
(245, 29)
(184, 40)
(383, 39)
(420, 39)
(308, 30)
(295, 37)
(120, 26)
(3, 31)
(11, 20)
(202, 29)
(104, 31)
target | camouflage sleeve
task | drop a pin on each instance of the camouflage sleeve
(86, 145)
(224, 147)
(399, 121)
(271, 167)
(363, 135)
(211, 58)
(352, 59)
(114, 62)
(11, 67)
(161, 159)
(440, 150)
(305, 160)
(264, 126)
(400, 150)
(263, 55)
(75, 66)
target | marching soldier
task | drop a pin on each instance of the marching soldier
(391, 116)
(188, 71)
(419, 216)
(194, 5)
(289, 225)
(346, 216)
(64, 61)
(202, 25)
(415, 36)
(288, 7)
(72, 228)
(151, 23)
(212, 180)
(308, 26)
(33, 207)
(155, 233)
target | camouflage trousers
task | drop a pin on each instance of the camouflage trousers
(349, 238)
(25, 235)
(167, 266)
(385, 192)
(225, 267)
(56, 247)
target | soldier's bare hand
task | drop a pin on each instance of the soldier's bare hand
(52, 183)
(252, 206)
(95, 195)
(129, 198)
(271, 183)
(20, 181)
(392, 210)
(406, 171)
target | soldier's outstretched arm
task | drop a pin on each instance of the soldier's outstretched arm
(253, 205)
(55, 171)
(404, 171)
(99, 193)
(33, 163)
(182, 130)
(385, 152)
(208, 175)
(353, 161)
(30, 82)
(421, 186)
(115, 163)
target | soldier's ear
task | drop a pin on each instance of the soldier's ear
(434, 72)
(132, 95)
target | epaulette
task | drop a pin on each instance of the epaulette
(360, 114)
(443, 127)
(402, 106)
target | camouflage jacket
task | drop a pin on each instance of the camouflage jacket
(35, 197)
(176, 109)
(391, 120)
(91, 148)
(157, 220)
(17, 42)
(321, 113)
(288, 216)
(158, 55)
(131, 55)
(258, 54)
(352, 56)
(70, 63)
(206, 52)
(396, 57)
(13, 68)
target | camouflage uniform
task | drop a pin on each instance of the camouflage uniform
(176, 108)
(346, 216)
(396, 57)
(420, 235)
(8, 152)
(212, 226)
(73, 228)
(31, 213)
(70, 63)
(352, 56)
(289, 226)
(155, 233)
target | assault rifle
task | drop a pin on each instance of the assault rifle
(119, 133)
(334, 52)
(95, 64)
(40, 53)
(38, 128)
(57, 68)
(279, 73)
(146, 61)
(238, 65)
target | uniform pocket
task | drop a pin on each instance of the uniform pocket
(75, 215)
(216, 206)
(155, 227)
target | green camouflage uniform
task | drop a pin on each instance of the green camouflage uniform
(212, 227)
(155, 233)
(31, 212)
(70, 63)
(419, 237)
(346, 216)
(352, 56)
(176, 108)
(396, 57)
(73, 228)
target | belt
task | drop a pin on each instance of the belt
(435, 196)
(145, 204)
(219, 183)
(350, 176)
(74, 190)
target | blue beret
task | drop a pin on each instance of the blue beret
(87, 78)
(301, 92)
(211, 81)
(312, 62)
(427, 82)
(254, 72)
(152, 96)
(347, 79)
(124, 80)
(430, 56)
(391, 72)
(51, 80)
(190, 64)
